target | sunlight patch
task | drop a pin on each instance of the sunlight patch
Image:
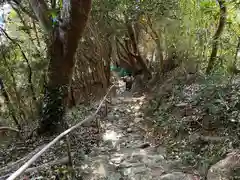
(112, 136)
(100, 169)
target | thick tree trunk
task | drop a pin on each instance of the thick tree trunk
(63, 45)
(136, 54)
(222, 20)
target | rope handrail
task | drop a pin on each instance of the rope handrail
(50, 144)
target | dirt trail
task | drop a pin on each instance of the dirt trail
(125, 153)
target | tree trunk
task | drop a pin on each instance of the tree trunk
(20, 103)
(236, 53)
(9, 104)
(157, 38)
(233, 69)
(222, 20)
(61, 51)
(136, 52)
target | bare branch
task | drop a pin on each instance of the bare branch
(18, 5)
(53, 4)
(9, 103)
(3, 128)
(27, 61)
(41, 10)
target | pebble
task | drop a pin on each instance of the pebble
(129, 130)
(137, 120)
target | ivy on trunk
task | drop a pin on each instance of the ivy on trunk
(63, 40)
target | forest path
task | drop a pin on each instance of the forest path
(125, 152)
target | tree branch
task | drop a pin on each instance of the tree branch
(9, 104)
(41, 10)
(75, 24)
(23, 9)
(5, 128)
(27, 61)
(222, 21)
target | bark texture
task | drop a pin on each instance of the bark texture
(217, 35)
(9, 104)
(63, 44)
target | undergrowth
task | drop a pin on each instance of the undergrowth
(206, 107)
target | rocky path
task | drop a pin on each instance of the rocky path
(125, 153)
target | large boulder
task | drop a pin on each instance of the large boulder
(223, 169)
(179, 176)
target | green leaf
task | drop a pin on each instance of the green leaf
(24, 28)
(60, 4)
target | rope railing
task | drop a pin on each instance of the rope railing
(22, 169)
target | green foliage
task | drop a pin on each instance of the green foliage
(208, 7)
(182, 112)
(12, 14)
(188, 26)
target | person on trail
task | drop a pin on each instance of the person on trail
(124, 74)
